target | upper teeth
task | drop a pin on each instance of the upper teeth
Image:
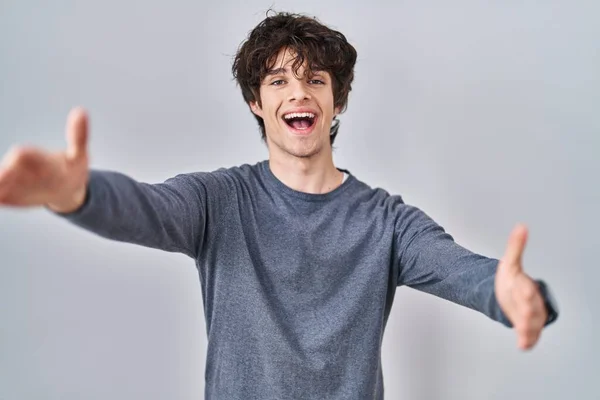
(299, 115)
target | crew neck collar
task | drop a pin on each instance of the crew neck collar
(280, 186)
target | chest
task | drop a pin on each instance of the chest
(312, 251)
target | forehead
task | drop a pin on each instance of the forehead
(283, 62)
(284, 57)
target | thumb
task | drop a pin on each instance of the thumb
(77, 133)
(513, 255)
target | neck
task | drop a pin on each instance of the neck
(314, 175)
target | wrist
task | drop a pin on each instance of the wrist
(549, 302)
(69, 204)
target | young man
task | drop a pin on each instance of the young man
(299, 261)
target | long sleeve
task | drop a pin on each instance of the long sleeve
(169, 216)
(431, 261)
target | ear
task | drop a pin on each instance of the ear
(255, 108)
(336, 111)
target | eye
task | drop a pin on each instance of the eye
(278, 82)
(316, 81)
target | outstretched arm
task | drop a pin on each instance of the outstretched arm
(169, 216)
(431, 261)
(519, 296)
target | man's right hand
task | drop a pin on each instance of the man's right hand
(34, 177)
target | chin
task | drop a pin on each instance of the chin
(299, 146)
(306, 154)
(304, 150)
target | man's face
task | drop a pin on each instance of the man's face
(297, 110)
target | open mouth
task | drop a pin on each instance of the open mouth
(300, 121)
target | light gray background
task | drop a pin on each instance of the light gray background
(483, 114)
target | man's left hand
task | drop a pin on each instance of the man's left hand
(517, 294)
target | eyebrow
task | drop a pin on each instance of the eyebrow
(284, 71)
(277, 71)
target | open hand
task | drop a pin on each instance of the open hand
(34, 177)
(518, 295)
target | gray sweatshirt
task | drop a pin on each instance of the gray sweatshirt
(297, 288)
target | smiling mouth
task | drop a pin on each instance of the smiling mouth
(300, 123)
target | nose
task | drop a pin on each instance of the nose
(298, 91)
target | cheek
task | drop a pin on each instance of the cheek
(271, 114)
(328, 104)
(268, 110)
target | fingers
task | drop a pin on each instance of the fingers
(17, 159)
(6, 176)
(10, 157)
(9, 169)
(531, 313)
(527, 342)
(6, 172)
(77, 133)
(514, 249)
(20, 155)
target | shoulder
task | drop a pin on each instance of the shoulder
(222, 177)
(376, 196)
(403, 214)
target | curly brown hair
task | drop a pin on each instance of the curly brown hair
(321, 47)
